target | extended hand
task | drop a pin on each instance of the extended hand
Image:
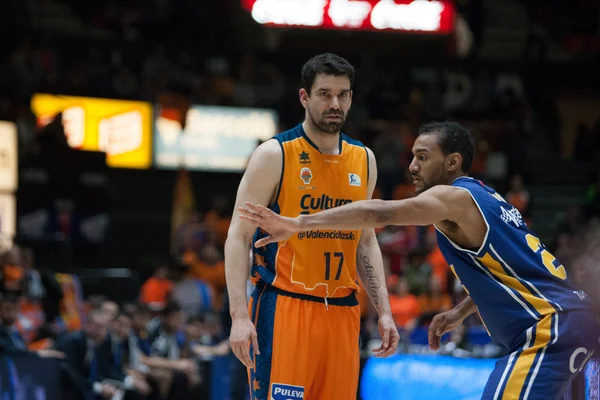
(278, 227)
(389, 336)
(442, 323)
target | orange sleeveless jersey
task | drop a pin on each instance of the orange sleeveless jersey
(318, 263)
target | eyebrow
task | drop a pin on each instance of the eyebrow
(329, 90)
(420, 150)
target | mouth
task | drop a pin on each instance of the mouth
(334, 117)
(415, 180)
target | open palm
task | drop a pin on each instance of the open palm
(278, 227)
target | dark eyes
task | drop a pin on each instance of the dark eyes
(325, 94)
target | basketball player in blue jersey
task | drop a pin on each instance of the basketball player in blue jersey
(522, 293)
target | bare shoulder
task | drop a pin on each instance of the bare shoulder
(268, 151)
(264, 168)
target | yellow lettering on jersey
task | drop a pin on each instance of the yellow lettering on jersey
(547, 258)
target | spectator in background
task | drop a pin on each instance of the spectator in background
(404, 305)
(9, 313)
(389, 150)
(417, 273)
(394, 245)
(518, 196)
(217, 220)
(12, 269)
(156, 290)
(437, 299)
(209, 268)
(88, 354)
(193, 295)
(166, 353)
(439, 267)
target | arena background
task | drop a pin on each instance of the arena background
(127, 126)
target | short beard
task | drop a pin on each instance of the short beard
(327, 128)
(432, 182)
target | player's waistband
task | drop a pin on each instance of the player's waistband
(349, 301)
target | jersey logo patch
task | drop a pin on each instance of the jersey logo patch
(306, 175)
(286, 392)
(304, 158)
(513, 216)
(354, 179)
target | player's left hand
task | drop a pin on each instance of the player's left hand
(278, 227)
(389, 336)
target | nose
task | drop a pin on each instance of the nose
(335, 103)
(413, 167)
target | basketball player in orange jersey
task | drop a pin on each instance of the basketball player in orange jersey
(299, 336)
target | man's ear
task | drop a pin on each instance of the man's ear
(303, 94)
(454, 162)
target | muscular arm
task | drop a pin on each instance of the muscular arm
(257, 185)
(437, 204)
(369, 263)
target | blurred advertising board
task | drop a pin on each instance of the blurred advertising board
(425, 377)
(434, 377)
(212, 138)
(420, 16)
(8, 218)
(121, 129)
(8, 157)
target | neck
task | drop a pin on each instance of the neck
(327, 143)
(454, 177)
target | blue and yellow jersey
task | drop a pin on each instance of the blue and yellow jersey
(512, 278)
(318, 263)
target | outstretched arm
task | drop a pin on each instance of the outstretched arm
(437, 204)
(434, 205)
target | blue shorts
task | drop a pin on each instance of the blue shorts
(551, 354)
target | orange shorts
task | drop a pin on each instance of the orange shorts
(308, 350)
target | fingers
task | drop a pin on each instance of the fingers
(258, 208)
(436, 330)
(389, 343)
(247, 361)
(248, 215)
(264, 241)
(386, 339)
(237, 346)
(254, 338)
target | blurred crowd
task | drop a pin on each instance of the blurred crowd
(163, 345)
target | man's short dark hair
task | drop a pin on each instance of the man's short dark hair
(171, 307)
(328, 64)
(452, 138)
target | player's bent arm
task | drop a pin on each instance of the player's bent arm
(369, 262)
(465, 307)
(437, 204)
(257, 185)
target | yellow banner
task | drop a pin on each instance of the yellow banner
(120, 128)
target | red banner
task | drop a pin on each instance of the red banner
(422, 16)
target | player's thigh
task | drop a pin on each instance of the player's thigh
(338, 371)
(497, 379)
(285, 366)
(542, 368)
